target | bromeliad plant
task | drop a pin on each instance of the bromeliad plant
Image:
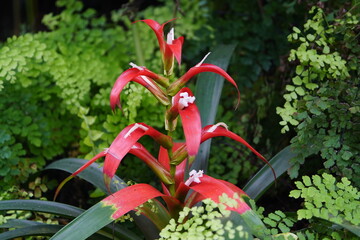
(174, 159)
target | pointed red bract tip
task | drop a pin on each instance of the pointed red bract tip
(61, 186)
(221, 131)
(176, 48)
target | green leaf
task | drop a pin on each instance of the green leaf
(208, 92)
(93, 174)
(297, 80)
(106, 211)
(237, 220)
(85, 225)
(311, 86)
(264, 178)
(35, 230)
(352, 228)
(295, 29)
(41, 206)
(326, 50)
(310, 37)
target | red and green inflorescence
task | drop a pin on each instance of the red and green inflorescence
(174, 158)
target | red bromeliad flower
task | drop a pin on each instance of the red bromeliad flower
(174, 158)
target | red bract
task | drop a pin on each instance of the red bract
(170, 47)
(217, 130)
(123, 143)
(199, 68)
(214, 189)
(183, 105)
(220, 130)
(163, 173)
(165, 162)
(126, 142)
(131, 197)
(140, 75)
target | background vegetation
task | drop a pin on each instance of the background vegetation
(296, 63)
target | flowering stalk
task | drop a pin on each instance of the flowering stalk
(175, 158)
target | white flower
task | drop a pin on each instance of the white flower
(185, 99)
(194, 177)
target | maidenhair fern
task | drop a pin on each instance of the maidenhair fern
(322, 101)
(279, 225)
(46, 78)
(338, 202)
(203, 222)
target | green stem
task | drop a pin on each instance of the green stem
(139, 53)
(172, 169)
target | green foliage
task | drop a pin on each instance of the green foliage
(259, 29)
(47, 77)
(325, 198)
(337, 202)
(331, 207)
(35, 189)
(322, 100)
(204, 222)
(278, 223)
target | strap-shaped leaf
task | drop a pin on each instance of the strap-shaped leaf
(26, 228)
(208, 91)
(106, 211)
(53, 208)
(35, 230)
(41, 206)
(93, 174)
(264, 177)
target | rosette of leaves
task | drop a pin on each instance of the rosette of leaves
(322, 100)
